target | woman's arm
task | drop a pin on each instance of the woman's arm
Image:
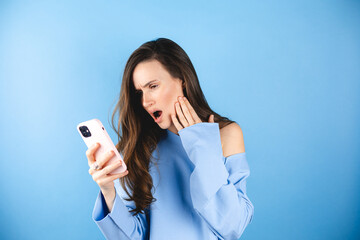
(217, 184)
(109, 198)
(119, 223)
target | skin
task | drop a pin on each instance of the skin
(159, 91)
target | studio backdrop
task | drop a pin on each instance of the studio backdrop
(286, 71)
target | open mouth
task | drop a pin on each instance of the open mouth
(157, 114)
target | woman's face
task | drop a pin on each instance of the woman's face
(158, 91)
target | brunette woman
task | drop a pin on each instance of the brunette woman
(187, 167)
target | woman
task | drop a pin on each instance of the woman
(186, 164)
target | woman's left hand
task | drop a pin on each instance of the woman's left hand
(186, 114)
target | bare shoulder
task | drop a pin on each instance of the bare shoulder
(232, 139)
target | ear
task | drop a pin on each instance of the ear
(184, 88)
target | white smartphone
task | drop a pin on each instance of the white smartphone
(92, 132)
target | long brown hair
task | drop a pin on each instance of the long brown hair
(137, 132)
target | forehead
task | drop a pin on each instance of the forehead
(147, 71)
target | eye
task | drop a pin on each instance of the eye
(153, 86)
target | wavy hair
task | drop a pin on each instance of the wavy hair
(138, 134)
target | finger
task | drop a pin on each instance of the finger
(186, 112)
(211, 118)
(176, 122)
(90, 153)
(91, 171)
(111, 178)
(105, 158)
(116, 176)
(181, 116)
(192, 111)
(106, 170)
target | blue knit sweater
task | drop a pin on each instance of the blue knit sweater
(200, 193)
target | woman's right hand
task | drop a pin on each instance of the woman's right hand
(99, 173)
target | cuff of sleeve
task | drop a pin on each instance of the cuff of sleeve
(201, 137)
(100, 210)
(119, 215)
(202, 144)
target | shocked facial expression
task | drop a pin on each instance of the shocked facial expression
(158, 91)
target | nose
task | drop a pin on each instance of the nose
(147, 101)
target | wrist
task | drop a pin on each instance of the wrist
(109, 196)
(108, 192)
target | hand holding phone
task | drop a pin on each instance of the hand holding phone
(93, 132)
(102, 175)
(106, 163)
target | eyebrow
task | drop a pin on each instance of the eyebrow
(147, 84)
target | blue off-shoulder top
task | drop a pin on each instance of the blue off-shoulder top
(200, 194)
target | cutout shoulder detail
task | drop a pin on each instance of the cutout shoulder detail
(232, 140)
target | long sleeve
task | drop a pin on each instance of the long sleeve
(217, 187)
(119, 223)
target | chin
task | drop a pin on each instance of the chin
(164, 126)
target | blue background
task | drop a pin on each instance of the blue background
(287, 71)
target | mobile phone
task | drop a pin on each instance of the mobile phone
(92, 132)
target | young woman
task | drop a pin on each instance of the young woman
(187, 167)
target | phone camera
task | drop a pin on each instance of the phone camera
(85, 131)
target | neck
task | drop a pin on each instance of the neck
(173, 129)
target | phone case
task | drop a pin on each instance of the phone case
(92, 132)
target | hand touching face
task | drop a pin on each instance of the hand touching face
(186, 114)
